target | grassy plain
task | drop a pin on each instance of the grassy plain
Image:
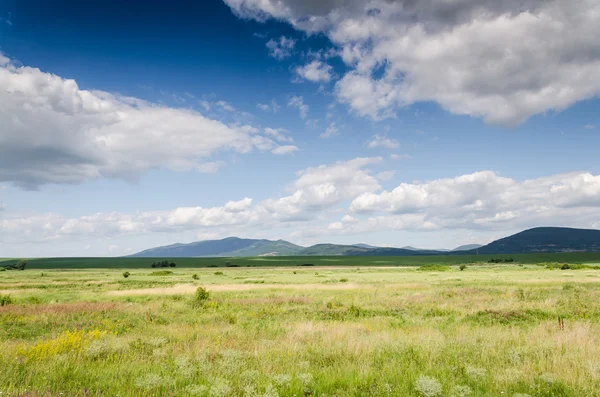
(273, 261)
(301, 331)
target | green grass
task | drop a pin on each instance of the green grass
(492, 330)
(133, 263)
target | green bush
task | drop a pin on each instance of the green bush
(6, 300)
(126, 274)
(343, 280)
(200, 297)
(195, 277)
(218, 273)
(462, 267)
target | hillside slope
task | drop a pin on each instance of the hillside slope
(545, 239)
(229, 247)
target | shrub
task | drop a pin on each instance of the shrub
(501, 260)
(462, 267)
(343, 280)
(195, 277)
(200, 297)
(218, 273)
(126, 274)
(427, 386)
(6, 300)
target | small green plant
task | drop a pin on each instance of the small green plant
(218, 273)
(427, 386)
(462, 267)
(200, 297)
(126, 274)
(343, 280)
(6, 300)
(195, 277)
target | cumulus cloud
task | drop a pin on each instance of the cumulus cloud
(298, 103)
(315, 71)
(503, 61)
(380, 141)
(486, 200)
(282, 48)
(314, 191)
(51, 131)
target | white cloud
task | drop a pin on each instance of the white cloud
(282, 48)
(278, 134)
(287, 149)
(395, 156)
(298, 103)
(51, 131)
(503, 61)
(272, 107)
(316, 71)
(330, 131)
(589, 127)
(225, 106)
(486, 200)
(205, 105)
(380, 141)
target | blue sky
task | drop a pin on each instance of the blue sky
(132, 124)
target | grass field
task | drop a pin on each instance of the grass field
(301, 331)
(269, 261)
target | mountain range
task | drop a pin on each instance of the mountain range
(542, 239)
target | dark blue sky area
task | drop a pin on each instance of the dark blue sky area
(138, 41)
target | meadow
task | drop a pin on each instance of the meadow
(488, 330)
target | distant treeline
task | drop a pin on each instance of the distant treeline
(164, 263)
(20, 265)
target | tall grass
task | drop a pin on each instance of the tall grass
(489, 331)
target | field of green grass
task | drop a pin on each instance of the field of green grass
(133, 263)
(489, 330)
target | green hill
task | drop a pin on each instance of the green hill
(545, 239)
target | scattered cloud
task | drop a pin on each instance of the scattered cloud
(589, 127)
(285, 149)
(501, 61)
(315, 71)
(381, 141)
(330, 131)
(225, 106)
(396, 156)
(272, 107)
(298, 103)
(278, 134)
(282, 48)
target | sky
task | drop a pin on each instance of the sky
(431, 123)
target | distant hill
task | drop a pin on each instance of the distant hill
(332, 250)
(538, 240)
(229, 247)
(467, 247)
(361, 245)
(545, 239)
